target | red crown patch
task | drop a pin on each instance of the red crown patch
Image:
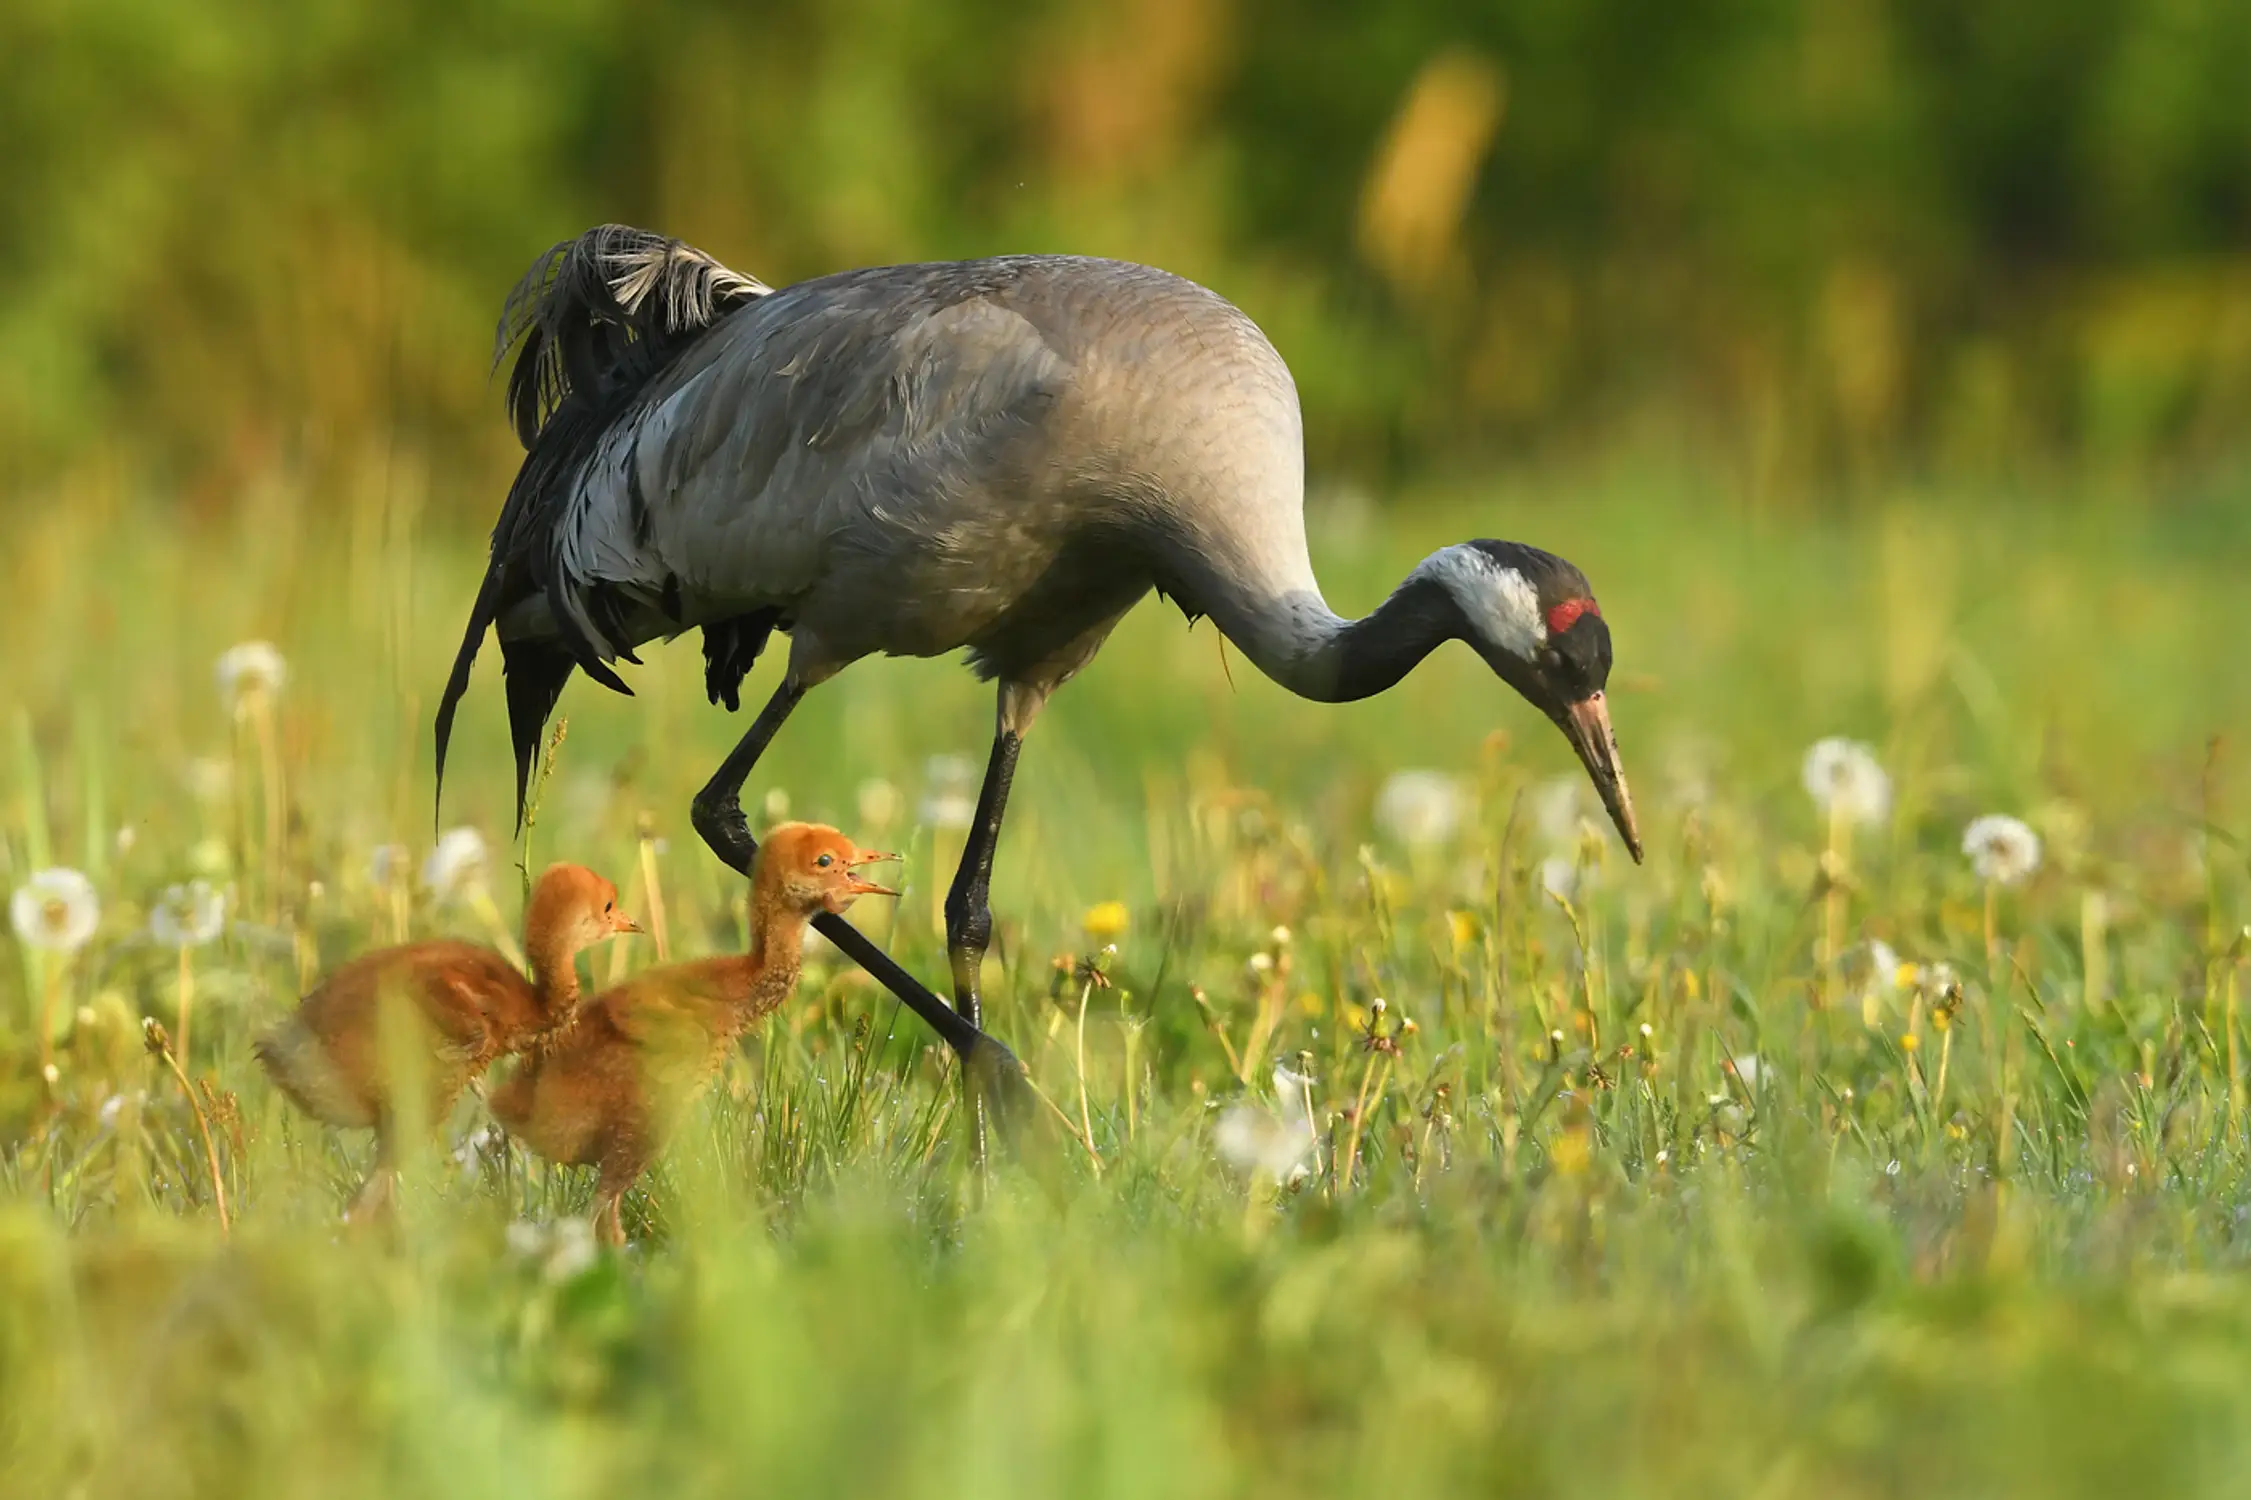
(1565, 615)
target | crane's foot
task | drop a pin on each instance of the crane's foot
(726, 832)
(999, 1091)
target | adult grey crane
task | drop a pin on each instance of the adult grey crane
(1001, 455)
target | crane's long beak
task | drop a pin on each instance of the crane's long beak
(860, 887)
(1587, 725)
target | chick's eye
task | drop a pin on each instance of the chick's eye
(825, 861)
(606, 907)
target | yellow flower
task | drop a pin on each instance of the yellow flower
(1572, 1151)
(1463, 926)
(1910, 1042)
(1311, 1004)
(1105, 921)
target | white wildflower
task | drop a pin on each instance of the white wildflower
(56, 910)
(1871, 970)
(1273, 1144)
(254, 670)
(188, 916)
(1421, 809)
(114, 1107)
(457, 865)
(475, 1148)
(526, 1238)
(1748, 1069)
(1843, 778)
(2001, 848)
(1559, 877)
(127, 837)
(949, 798)
(775, 808)
(52, 1074)
(1558, 808)
(1937, 981)
(879, 805)
(573, 1250)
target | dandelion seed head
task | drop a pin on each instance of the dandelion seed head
(2002, 849)
(1845, 779)
(1558, 807)
(1421, 809)
(1275, 1144)
(56, 910)
(1559, 877)
(457, 865)
(249, 672)
(574, 1250)
(188, 916)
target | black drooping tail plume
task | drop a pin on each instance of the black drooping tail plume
(596, 318)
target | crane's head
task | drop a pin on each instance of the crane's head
(810, 868)
(1532, 616)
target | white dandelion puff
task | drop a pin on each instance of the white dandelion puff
(250, 671)
(1557, 808)
(1270, 1143)
(457, 865)
(1845, 780)
(949, 798)
(2002, 849)
(188, 916)
(1421, 809)
(56, 910)
(574, 1250)
(1559, 877)
(1872, 967)
(879, 805)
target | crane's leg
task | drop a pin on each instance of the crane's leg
(969, 916)
(718, 817)
(717, 811)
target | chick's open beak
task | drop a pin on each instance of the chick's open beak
(1586, 724)
(862, 887)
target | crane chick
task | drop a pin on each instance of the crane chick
(464, 1005)
(610, 1091)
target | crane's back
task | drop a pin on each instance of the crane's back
(998, 454)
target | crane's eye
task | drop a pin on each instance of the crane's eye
(825, 861)
(606, 907)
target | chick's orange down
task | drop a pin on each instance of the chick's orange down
(438, 1013)
(611, 1088)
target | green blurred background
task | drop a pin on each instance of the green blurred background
(1804, 246)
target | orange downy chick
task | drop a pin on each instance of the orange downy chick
(466, 1005)
(610, 1090)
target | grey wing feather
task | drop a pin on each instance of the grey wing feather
(834, 414)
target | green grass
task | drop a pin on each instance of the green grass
(1570, 1255)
